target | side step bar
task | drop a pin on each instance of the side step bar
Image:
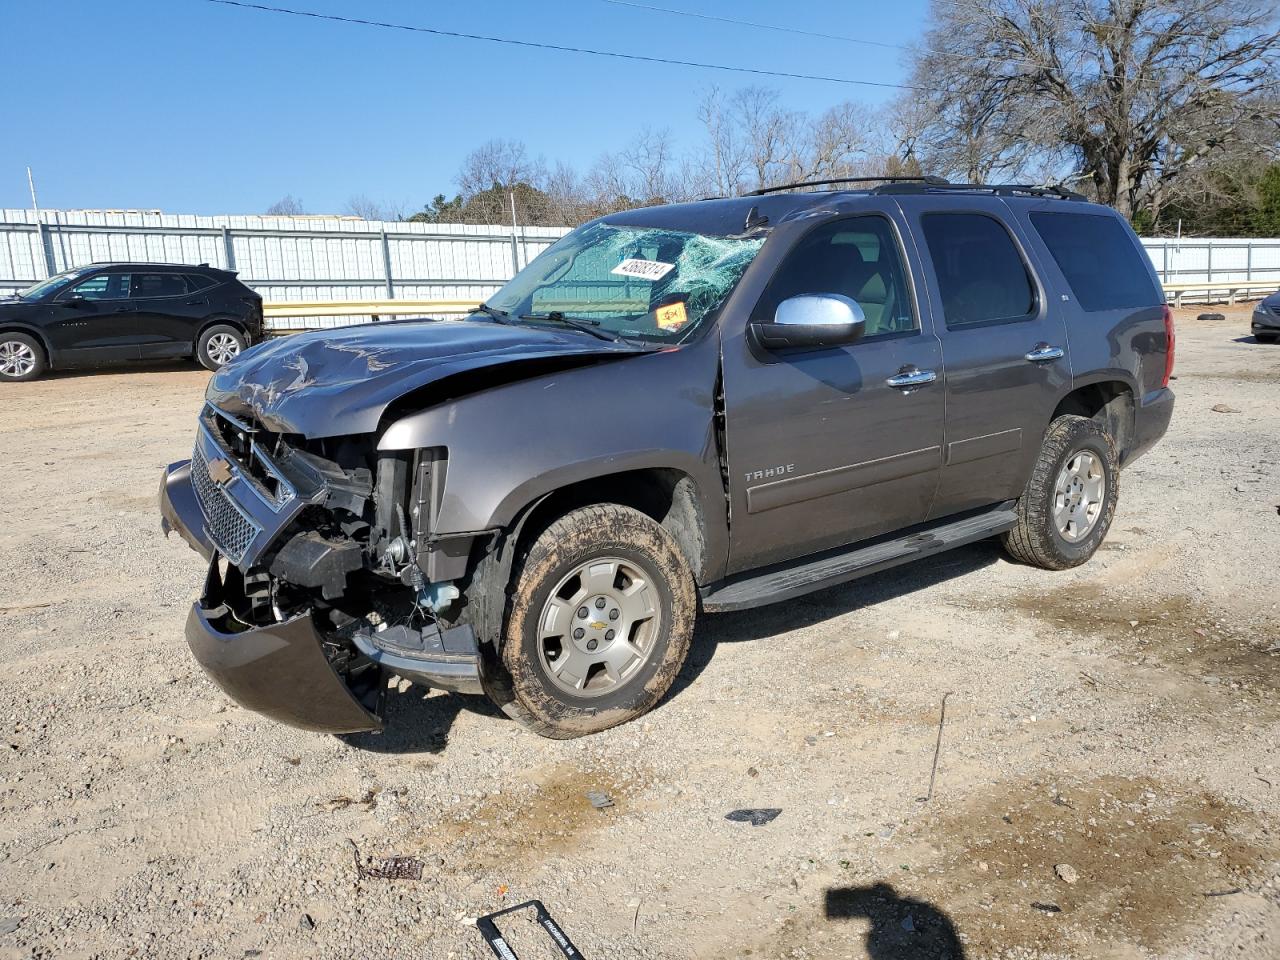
(807, 574)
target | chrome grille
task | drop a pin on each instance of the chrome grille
(230, 530)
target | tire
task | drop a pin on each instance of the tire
(1266, 337)
(219, 345)
(1070, 444)
(21, 358)
(551, 682)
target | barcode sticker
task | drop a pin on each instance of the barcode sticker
(643, 269)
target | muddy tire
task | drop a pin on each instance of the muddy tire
(602, 612)
(1066, 509)
(219, 345)
(21, 357)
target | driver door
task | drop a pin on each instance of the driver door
(94, 321)
(831, 446)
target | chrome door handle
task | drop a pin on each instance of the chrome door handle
(1044, 353)
(912, 378)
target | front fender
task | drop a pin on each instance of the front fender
(513, 444)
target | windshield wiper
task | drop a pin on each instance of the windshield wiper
(499, 315)
(578, 323)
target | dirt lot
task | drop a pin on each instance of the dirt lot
(1115, 725)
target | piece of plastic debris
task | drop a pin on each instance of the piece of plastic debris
(599, 799)
(386, 868)
(756, 816)
(1046, 907)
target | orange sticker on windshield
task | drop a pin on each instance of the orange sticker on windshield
(671, 317)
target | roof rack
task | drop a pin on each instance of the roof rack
(996, 189)
(782, 188)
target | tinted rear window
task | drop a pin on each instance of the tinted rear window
(981, 274)
(159, 285)
(1100, 261)
(198, 281)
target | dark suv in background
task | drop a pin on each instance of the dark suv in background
(699, 407)
(118, 312)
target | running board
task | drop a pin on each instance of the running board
(798, 577)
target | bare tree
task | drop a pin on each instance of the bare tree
(286, 206)
(1128, 96)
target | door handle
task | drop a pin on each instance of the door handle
(1045, 353)
(125, 309)
(912, 377)
(194, 303)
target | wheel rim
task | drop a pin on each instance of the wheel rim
(1078, 495)
(222, 348)
(599, 627)
(17, 359)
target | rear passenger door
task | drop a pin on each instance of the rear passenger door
(1004, 347)
(169, 313)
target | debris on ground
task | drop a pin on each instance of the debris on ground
(1211, 316)
(369, 801)
(307, 922)
(386, 868)
(493, 936)
(756, 816)
(1067, 873)
(1224, 408)
(599, 799)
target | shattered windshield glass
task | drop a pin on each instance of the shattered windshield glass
(643, 283)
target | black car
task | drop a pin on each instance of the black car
(120, 312)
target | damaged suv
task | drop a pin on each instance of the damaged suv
(712, 405)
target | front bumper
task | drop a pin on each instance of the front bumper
(279, 670)
(1266, 321)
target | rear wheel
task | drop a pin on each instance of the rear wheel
(219, 345)
(1067, 506)
(602, 613)
(21, 357)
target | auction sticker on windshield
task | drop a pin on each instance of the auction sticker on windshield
(671, 317)
(643, 269)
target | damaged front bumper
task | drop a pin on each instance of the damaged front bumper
(278, 670)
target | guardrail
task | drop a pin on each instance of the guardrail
(1176, 291)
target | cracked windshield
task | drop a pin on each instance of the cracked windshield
(641, 283)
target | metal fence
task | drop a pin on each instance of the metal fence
(305, 259)
(294, 259)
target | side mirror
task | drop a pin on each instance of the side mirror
(812, 320)
(75, 300)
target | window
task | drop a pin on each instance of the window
(198, 281)
(1099, 260)
(105, 286)
(981, 275)
(159, 285)
(857, 258)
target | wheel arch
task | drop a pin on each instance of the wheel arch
(1109, 400)
(12, 327)
(221, 321)
(669, 496)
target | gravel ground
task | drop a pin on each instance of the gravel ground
(1109, 781)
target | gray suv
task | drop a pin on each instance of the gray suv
(706, 406)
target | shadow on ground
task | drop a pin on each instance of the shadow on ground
(765, 622)
(902, 927)
(418, 721)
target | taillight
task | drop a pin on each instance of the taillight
(1170, 342)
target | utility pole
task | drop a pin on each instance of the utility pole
(42, 229)
(515, 254)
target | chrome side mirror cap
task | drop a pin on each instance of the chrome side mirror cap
(811, 321)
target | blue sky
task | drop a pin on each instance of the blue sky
(193, 107)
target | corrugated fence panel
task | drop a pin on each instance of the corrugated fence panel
(293, 259)
(330, 258)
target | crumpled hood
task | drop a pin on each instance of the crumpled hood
(328, 383)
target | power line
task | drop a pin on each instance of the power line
(963, 4)
(558, 47)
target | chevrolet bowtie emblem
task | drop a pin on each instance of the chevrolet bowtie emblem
(598, 625)
(220, 472)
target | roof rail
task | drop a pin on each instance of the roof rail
(996, 189)
(782, 188)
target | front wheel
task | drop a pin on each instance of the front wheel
(219, 345)
(21, 357)
(1067, 506)
(602, 613)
